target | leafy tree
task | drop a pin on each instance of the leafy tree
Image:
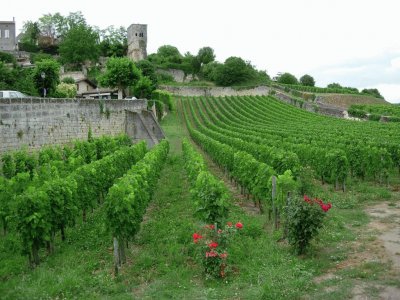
(205, 55)
(372, 92)
(6, 76)
(209, 71)
(307, 80)
(190, 64)
(148, 70)
(114, 41)
(30, 37)
(234, 70)
(287, 78)
(143, 88)
(169, 54)
(121, 72)
(51, 69)
(79, 45)
(334, 85)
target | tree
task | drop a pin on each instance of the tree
(114, 41)
(120, 73)
(307, 80)
(209, 71)
(80, 44)
(234, 70)
(372, 92)
(287, 78)
(50, 69)
(169, 54)
(143, 88)
(334, 85)
(205, 55)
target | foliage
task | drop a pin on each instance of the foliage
(120, 73)
(143, 88)
(165, 97)
(114, 42)
(307, 80)
(68, 80)
(305, 219)
(51, 69)
(37, 57)
(9, 167)
(287, 78)
(148, 70)
(79, 45)
(209, 194)
(7, 57)
(234, 70)
(213, 244)
(373, 92)
(66, 90)
(205, 55)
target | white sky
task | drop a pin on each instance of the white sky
(353, 42)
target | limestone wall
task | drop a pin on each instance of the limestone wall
(37, 121)
(215, 91)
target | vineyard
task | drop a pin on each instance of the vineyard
(107, 219)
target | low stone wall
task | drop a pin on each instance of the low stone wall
(35, 122)
(192, 91)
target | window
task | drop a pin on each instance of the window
(136, 34)
(7, 33)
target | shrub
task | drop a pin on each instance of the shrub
(213, 248)
(305, 219)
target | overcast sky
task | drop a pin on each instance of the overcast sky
(353, 42)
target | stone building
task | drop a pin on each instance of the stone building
(137, 41)
(7, 36)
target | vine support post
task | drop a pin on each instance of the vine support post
(274, 208)
(116, 256)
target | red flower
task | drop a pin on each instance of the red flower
(212, 253)
(239, 225)
(219, 230)
(223, 255)
(213, 245)
(210, 226)
(196, 237)
(326, 207)
(229, 224)
(308, 200)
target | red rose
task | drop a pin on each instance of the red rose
(239, 225)
(213, 245)
(229, 224)
(308, 200)
(212, 253)
(223, 255)
(196, 237)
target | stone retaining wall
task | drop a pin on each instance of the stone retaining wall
(35, 122)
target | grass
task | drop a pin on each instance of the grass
(161, 260)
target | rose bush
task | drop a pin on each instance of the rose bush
(213, 247)
(305, 219)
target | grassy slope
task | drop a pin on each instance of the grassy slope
(346, 100)
(160, 263)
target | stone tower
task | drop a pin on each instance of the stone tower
(137, 41)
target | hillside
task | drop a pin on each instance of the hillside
(346, 100)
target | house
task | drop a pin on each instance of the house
(8, 40)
